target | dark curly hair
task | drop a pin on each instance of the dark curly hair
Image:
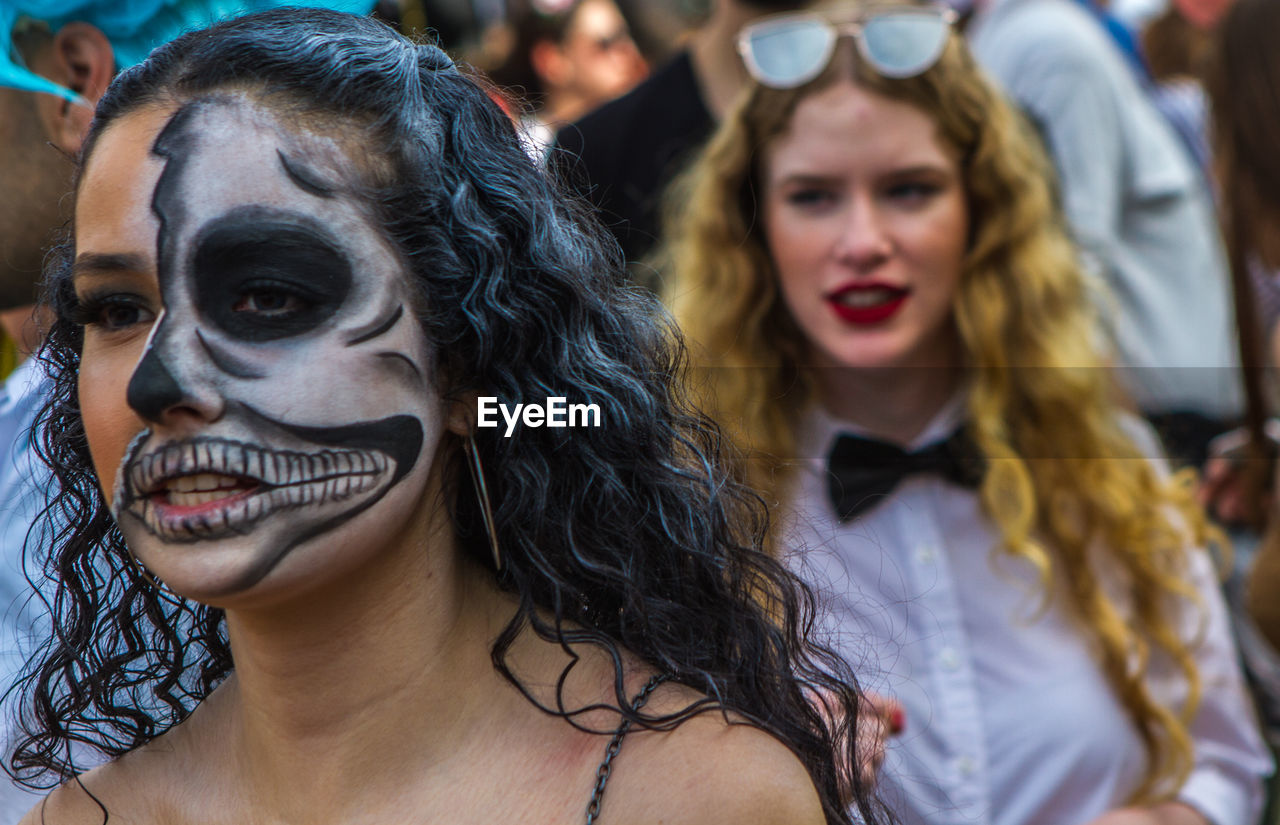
(629, 536)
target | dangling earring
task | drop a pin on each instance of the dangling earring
(482, 494)
(145, 573)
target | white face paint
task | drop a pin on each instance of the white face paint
(286, 385)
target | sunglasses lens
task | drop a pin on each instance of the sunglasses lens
(788, 53)
(903, 45)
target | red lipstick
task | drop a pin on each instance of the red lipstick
(867, 303)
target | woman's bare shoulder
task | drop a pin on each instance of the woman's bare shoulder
(710, 769)
(82, 799)
(134, 789)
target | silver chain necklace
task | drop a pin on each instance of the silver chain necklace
(615, 745)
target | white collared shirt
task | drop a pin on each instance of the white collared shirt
(1009, 718)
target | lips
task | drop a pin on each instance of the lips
(867, 303)
(210, 488)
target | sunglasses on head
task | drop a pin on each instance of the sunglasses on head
(788, 50)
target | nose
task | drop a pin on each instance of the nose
(170, 382)
(865, 241)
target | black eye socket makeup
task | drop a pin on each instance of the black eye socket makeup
(260, 278)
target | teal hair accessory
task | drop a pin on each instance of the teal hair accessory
(134, 27)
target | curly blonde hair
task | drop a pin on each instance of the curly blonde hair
(1041, 406)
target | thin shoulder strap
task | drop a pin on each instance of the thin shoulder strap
(615, 745)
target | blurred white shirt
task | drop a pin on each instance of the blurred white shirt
(1009, 719)
(23, 479)
(1138, 207)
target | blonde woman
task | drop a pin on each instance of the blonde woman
(896, 334)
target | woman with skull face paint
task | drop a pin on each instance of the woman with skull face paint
(896, 332)
(295, 582)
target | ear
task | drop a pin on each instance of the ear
(462, 414)
(81, 59)
(549, 63)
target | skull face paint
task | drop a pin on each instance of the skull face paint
(284, 387)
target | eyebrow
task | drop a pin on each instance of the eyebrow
(806, 178)
(920, 169)
(903, 172)
(96, 263)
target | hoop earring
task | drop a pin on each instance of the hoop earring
(482, 494)
(145, 573)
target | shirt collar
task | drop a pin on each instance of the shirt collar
(821, 428)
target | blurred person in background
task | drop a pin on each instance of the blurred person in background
(568, 57)
(896, 332)
(661, 27)
(1243, 84)
(623, 155)
(58, 58)
(1176, 44)
(1137, 207)
(1241, 80)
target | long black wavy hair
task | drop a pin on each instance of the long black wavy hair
(629, 536)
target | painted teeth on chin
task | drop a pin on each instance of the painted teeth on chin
(238, 461)
(253, 463)
(241, 512)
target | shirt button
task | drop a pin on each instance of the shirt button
(966, 765)
(925, 555)
(949, 659)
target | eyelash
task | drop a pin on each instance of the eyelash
(300, 299)
(913, 190)
(91, 310)
(906, 190)
(809, 197)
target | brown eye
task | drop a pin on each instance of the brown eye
(111, 313)
(120, 316)
(913, 192)
(811, 197)
(269, 303)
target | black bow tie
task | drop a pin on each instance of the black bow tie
(863, 471)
